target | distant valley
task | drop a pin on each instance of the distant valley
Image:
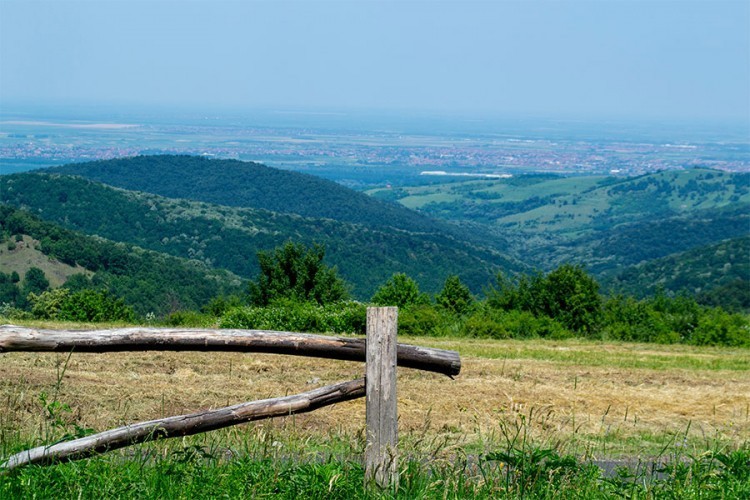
(632, 233)
(368, 241)
(602, 222)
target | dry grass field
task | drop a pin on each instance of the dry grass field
(592, 399)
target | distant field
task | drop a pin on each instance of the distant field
(588, 398)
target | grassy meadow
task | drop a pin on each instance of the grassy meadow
(524, 417)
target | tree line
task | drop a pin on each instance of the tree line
(296, 290)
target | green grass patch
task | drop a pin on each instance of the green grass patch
(263, 467)
(597, 353)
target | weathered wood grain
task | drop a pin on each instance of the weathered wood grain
(381, 457)
(17, 338)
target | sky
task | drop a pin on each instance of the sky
(683, 60)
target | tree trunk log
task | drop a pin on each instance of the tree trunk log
(16, 338)
(186, 425)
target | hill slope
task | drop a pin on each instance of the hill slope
(25, 254)
(229, 238)
(253, 185)
(602, 222)
(719, 274)
(147, 280)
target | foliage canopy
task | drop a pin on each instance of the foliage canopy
(296, 272)
(400, 291)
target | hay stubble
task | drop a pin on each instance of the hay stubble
(561, 399)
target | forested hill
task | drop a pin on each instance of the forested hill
(229, 238)
(149, 281)
(717, 274)
(605, 223)
(252, 185)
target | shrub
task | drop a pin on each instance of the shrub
(192, 319)
(85, 305)
(400, 291)
(47, 304)
(484, 325)
(420, 320)
(523, 324)
(628, 319)
(77, 282)
(717, 327)
(287, 315)
(489, 323)
(95, 306)
(13, 313)
(35, 281)
(571, 296)
(298, 273)
(567, 294)
(220, 305)
(455, 296)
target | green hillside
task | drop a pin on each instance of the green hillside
(602, 222)
(717, 274)
(229, 237)
(567, 205)
(252, 185)
(147, 280)
(20, 256)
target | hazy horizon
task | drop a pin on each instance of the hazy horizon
(576, 60)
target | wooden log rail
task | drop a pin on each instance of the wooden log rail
(22, 339)
(380, 351)
(186, 425)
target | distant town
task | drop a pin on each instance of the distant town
(25, 145)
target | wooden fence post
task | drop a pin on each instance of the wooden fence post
(382, 417)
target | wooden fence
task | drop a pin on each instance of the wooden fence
(379, 350)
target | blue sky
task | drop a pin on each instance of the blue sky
(588, 59)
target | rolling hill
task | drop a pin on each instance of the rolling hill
(253, 185)
(716, 274)
(602, 222)
(229, 237)
(149, 281)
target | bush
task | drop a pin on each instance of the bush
(298, 273)
(35, 281)
(95, 306)
(86, 305)
(191, 319)
(489, 323)
(571, 296)
(287, 315)
(717, 327)
(420, 320)
(220, 305)
(484, 325)
(400, 291)
(567, 294)
(13, 313)
(47, 304)
(671, 320)
(455, 296)
(628, 319)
